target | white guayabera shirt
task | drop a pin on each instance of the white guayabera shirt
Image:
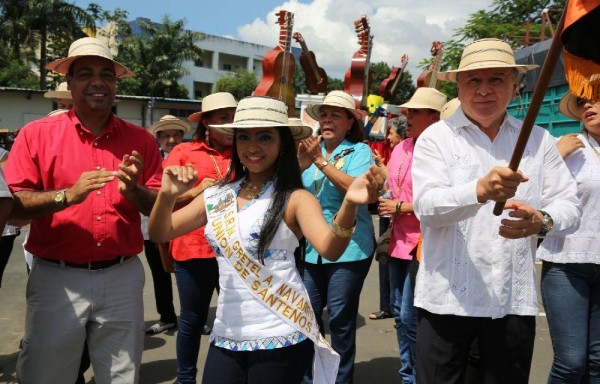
(467, 268)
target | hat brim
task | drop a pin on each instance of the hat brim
(62, 66)
(197, 116)
(417, 105)
(314, 111)
(298, 132)
(568, 106)
(58, 95)
(451, 75)
(166, 125)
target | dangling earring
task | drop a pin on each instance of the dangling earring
(207, 137)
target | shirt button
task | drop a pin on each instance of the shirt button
(98, 244)
(98, 193)
(96, 144)
(99, 218)
(98, 167)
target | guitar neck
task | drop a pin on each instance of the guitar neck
(435, 68)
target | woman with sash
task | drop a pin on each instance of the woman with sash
(265, 330)
(571, 263)
(330, 165)
(195, 266)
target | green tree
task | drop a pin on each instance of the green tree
(13, 73)
(240, 84)
(156, 56)
(334, 84)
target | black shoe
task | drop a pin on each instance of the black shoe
(380, 315)
(206, 330)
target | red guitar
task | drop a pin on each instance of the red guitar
(356, 79)
(428, 78)
(279, 65)
(315, 76)
(388, 87)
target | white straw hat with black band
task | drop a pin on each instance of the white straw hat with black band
(259, 112)
(426, 97)
(483, 54)
(213, 102)
(339, 99)
(170, 122)
(61, 92)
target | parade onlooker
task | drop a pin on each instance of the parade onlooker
(169, 132)
(423, 110)
(83, 177)
(571, 263)
(62, 96)
(265, 327)
(331, 162)
(476, 278)
(195, 266)
(5, 209)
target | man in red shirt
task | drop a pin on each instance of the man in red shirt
(83, 177)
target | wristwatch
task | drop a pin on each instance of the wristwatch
(321, 164)
(547, 224)
(61, 197)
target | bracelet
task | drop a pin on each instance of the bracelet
(344, 233)
(399, 206)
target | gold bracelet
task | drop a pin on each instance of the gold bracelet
(344, 233)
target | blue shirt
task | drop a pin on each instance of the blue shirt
(356, 161)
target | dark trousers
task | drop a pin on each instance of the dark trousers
(384, 274)
(273, 366)
(196, 281)
(163, 288)
(6, 246)
(337, 286)
(444, 341)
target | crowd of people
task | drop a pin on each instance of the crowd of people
(274, 217)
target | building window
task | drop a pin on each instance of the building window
(227, 67)
(199, 63)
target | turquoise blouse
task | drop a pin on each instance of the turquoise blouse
(353, 159)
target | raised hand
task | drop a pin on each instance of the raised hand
(366, 188)
(88, 182)
(178, 179)
(567, 144)
(129, 170)
(312, 146)
(524, 221)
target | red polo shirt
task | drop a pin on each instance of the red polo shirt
(194, 245)
(51, 154)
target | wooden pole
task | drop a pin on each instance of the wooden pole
(536, 102)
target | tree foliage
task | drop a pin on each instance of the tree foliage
(156, 56)
(240, 84)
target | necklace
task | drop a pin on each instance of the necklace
(338, 163)
(216, 166)
(252, 190)
(592, 146)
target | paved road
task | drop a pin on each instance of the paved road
(377, 360)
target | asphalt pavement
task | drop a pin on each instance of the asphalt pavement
(377, 357)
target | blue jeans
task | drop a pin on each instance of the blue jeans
(337, 286)
(196, 281)
(405, 316)
(571, 295)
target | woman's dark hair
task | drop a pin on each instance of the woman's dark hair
(200, 132)
(286, 179)
(356, 134)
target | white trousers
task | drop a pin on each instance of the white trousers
(67, 306)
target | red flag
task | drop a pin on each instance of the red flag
(580, 37)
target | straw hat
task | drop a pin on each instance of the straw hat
(568, 106)
(336, 99)
(257, 112)
(88, 46)
(219, 100)
(169, 122)
(57, 112)
(449, 108)
(426, 97)
(485, 53)
(61, 92)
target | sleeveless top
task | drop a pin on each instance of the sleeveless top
(242, 323)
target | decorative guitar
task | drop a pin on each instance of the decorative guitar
(315, 76)
(279, 65)
(428, 78)
(388, 87)
(356, 79)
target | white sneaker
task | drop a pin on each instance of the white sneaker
(158, 328)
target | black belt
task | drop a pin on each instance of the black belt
(92, 265)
